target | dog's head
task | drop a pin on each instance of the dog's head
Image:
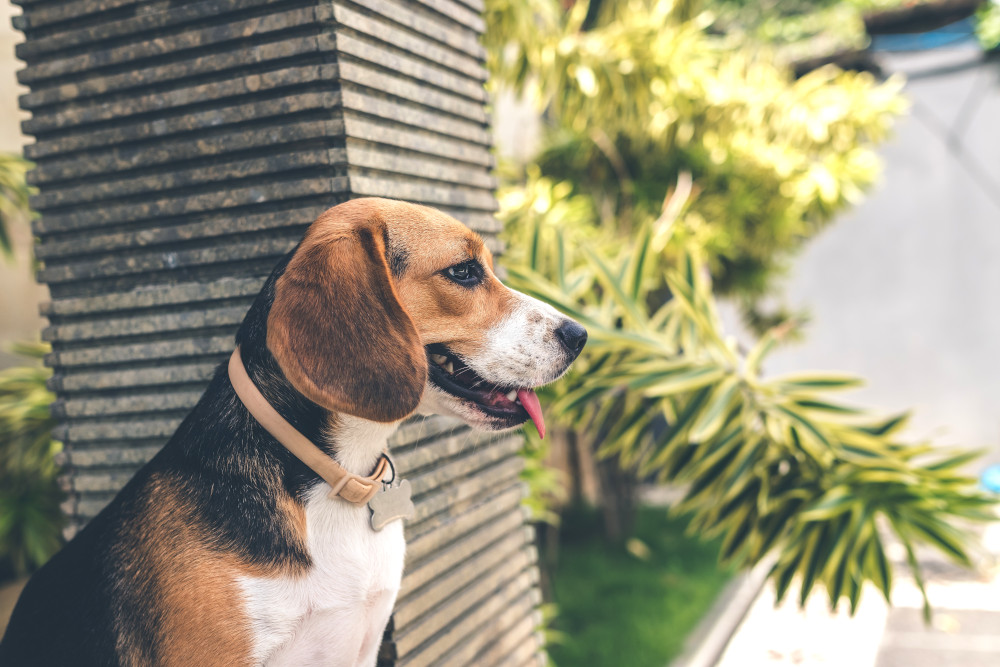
(387, 307)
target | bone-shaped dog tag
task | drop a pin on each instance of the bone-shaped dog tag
(391, 504)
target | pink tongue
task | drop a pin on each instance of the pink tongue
(529, 401)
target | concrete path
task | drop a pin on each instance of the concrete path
(9, 593)
(965, 630)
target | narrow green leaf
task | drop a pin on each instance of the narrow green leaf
(710, 452)
(713, 417)
(956, 461)
(784, 571)
(737, 538)
(889, 426)
(873, 453)
(748, 497)
(842, 563)
(880, 568)
(759, 352)
(534, 251)
(915, 568)
(643, 376)
(628, 429)
(672, 435)
(687, 381)
(799, 382)
(854, 592)
(833, 503)
(680, 457)
(824, 406)
(639, 258)
(612, 283)
(774, 525)
(805, 423)
(708, 478)
(819, 555)
(748, 455)
(941, 535)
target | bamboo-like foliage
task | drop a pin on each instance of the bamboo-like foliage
(772, 464)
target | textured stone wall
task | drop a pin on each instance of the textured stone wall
(181, 149)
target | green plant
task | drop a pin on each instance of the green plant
(799, 28)
(812, 28)
(678, 161)
(30, 517)
(14, 193)
(641, 92)
(772, 464)
(988, 24)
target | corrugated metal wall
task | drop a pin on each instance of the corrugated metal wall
(181, 149)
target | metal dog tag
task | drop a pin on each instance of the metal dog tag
(390, 504)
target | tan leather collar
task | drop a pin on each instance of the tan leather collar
(352, 488)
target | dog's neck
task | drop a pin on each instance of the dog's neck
(355, 443)
(358, 443)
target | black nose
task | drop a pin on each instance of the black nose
(573, 337)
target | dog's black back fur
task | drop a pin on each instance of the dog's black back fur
(76, 608)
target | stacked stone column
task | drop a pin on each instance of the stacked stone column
(181, 148)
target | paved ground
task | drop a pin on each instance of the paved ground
(8, 596)
(965, 630)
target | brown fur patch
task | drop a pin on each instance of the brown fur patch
(190, 581)
(337, 328)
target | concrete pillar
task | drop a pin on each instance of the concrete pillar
(181, 149)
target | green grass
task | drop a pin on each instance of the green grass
(616, 609)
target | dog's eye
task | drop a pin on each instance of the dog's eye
(466, 273)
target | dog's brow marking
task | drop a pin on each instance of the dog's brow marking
(474, 245)
(395, 255)
(398, 262)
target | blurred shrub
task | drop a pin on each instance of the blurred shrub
(810, 28)
(644, 94)
(30, 517)
(988, 24)
(14, 192)
(771, 464)
(675, 161)
(798, 28)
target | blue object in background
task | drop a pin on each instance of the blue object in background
(990, 478)
(951, 35)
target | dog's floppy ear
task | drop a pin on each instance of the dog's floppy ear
(338, 330)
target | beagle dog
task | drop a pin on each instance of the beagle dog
(226, 548)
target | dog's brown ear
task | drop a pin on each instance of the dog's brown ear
(338, 330)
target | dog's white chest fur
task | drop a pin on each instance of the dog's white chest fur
(335, 613)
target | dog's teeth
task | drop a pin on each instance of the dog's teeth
(439, 359)
(512, 395)
(450, 367)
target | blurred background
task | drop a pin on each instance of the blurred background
(753, 206)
